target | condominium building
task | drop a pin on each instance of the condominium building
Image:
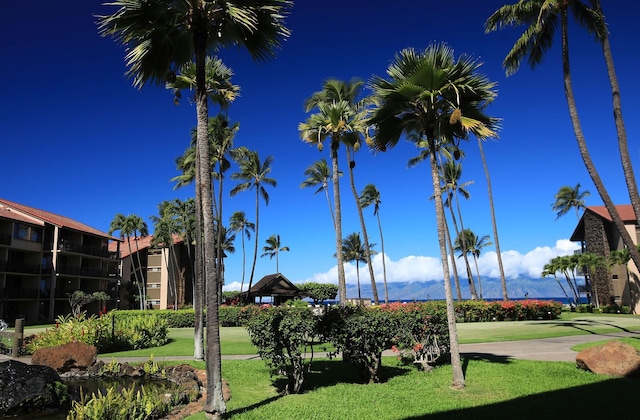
(44, 257)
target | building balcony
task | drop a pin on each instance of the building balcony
(20, 293)
(73, 270)
(67, 246)
(5, 239)
(22, 268)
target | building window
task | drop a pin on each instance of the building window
(27, 233)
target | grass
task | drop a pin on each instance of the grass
(494, 390)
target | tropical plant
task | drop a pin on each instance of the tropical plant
(354, 250)
(319, 292)
(542, 18)
(450, 173)
(473, 245)
(337, 118)
(78, 299)
(239, 224)
(161, 34)
(319, 174)
(370, 195)
(440, 99)
(568, 198)
(255, 176)
(494, 224)
(273, 249)
(592, 262)
(129, 227)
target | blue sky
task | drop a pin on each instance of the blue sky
(80, 141)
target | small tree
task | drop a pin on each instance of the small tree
(319, 292)
(79, 298)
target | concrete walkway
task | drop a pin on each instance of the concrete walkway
(549, 349)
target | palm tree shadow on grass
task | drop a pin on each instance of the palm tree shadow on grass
(584, 323)
(560, 404)
(252, 406)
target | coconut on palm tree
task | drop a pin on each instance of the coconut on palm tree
(541, 19)
(254, 175)
(161, 36)
(273, 248)
(438, 98)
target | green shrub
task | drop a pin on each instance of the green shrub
(284, 337)
(229, 316)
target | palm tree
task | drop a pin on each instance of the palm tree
(337, 119)
(273, 249)
(440, 99)
(319, 174)
(140, 230)
(370, 195)
(494, 224)
(474, 245)
(354, 250)
(239, 224)
(592, 262)
(551, 269)
(568, 198)
(617, 116)
(172, 33)
(120, 223)
(450, 173)
(255, 175)
(166, 225)
(542, 17)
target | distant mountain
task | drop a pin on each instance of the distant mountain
(491, 289)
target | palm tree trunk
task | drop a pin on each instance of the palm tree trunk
(619, 121)
(503, 280)
(454, 268)
(255, 248)
(143, 283)
(465, 250)
(214, 404)
(244, 260)
(475, 260)
(358, 277)
(342, 286)
(363, 227)
(333, 218)
(584, 152)
(456, 365)
(198, 277)
(384, 265)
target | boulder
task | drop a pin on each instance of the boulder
(614, 358)
(30, 388)
(70, 356)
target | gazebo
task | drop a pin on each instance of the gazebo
(276, 286)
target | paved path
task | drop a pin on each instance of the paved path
(549, 349)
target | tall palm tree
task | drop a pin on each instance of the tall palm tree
(541, 18)
(319, 175)
(120, 223)
(338, 119)
(627, 167)
(139, 228)
(494, 224)
(441, 99)
(239, 224)
(370, 195)
(255, 176)
(161, 35)
(450, 173)
(474, 245)
(165, 226)
(351, 149)
(273, 249)
(568, 198)
(551, 269)
(354, 250)
(592, 262)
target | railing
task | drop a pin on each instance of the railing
(75, 270)
(5, 239)
(22, 268)
(20, 293)
(83, 249)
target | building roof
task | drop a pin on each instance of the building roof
(138, 243)
(274, 285)
(624, 210)
(22, 213)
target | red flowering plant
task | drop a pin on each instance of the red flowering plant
(422, 332)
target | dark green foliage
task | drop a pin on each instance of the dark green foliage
(508, 310)
(319, 292)
(285, 337)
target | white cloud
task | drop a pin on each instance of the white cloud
(423, 268)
